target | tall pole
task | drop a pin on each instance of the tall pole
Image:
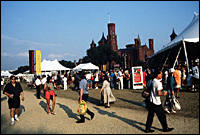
(186, 56)
(177, 56)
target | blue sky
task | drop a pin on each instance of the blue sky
(63, 30)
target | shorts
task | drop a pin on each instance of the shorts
(14, 102)
(178, 86)
(49, 93)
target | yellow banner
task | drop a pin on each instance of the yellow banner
(38, 62)
(104, 67)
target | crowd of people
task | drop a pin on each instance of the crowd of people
(167, 82)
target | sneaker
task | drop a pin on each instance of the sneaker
(148, 131)
(173, 111)
(80, 121)
(92, 116)
(168, 129)
(12, 123)
(53, 113)
(17, 119)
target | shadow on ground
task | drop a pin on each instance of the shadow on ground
(133, 123)
(68, 111)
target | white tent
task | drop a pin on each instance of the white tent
(85, 66)
(47, 65)
(189, 34)
(6, 73)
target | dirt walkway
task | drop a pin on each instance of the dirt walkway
(34, 119)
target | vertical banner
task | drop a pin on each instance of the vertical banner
(38, 62)
(104, 67)
(137, 76)
(31, 61)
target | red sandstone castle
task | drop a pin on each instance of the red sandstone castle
(133, 53)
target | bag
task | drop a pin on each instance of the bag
(82, 108)
(176, 104)
(146, 93)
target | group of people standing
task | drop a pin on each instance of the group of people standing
(171, 85)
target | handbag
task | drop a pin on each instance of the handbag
(82, 108)
(176, 104)
(146, 93)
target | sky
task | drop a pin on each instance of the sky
(64, 30)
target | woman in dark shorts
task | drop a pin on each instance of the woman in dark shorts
(49, 88)
(13, 90)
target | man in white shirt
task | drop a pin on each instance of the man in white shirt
(155, 105)
(38, 85)
(120, 77)
(65, 82)
(195, 76)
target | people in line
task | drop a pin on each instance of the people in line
(155, 105)
(50, 93)
(14, 90)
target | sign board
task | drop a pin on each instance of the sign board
(137, 76)
(38, 62)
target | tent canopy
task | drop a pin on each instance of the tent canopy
(6, 73)
(189, 34)
(86, 66)
(48, 65)
(188, 37)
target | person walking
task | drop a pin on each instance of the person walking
(108, 96)
(38, 87)
(155, 105)
(14, 90)
(49, 88)
(84, 96)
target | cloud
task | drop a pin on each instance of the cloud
(17, 41)
(58, 56)
(22, 54)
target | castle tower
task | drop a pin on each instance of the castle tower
(173, 35)
(92, 45)
(103, 40)
(112, 38)
(151, 44)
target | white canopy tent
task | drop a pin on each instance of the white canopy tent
(6, 73)
(47, 65)
(189, 34)
(86, 66)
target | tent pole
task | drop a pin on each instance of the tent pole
(186, 56)
(177, 56)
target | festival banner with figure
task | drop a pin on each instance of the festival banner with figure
(137, 76)
(38, 62)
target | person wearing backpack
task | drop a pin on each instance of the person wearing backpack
(155, 105)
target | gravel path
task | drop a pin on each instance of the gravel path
(114, 120)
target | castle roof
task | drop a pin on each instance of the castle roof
(103, 39)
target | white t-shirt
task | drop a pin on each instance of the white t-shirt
(88, 76)
(44, 80)
(65, 80)
(37, 82)
(154, 97)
